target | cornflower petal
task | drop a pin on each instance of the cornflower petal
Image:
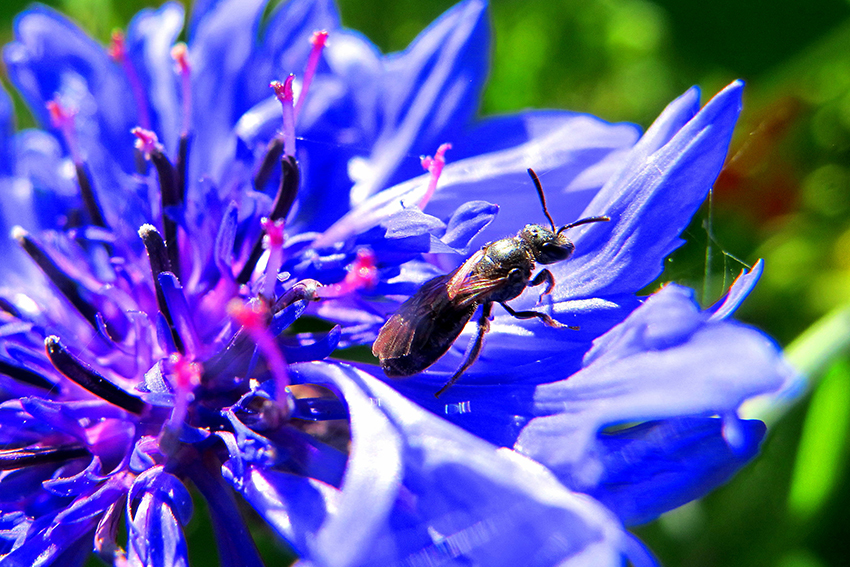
(7, 127)
(653, 204)
(158, 505)
(631, 373)
(659, 465)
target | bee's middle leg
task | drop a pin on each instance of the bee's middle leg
(532, 314)
(474, 348)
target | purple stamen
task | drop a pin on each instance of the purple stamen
(70, 288)
(254, 319)
(148, 144)
(79, 373)
(62, 118)
(87, 193)
(11, 459)
(180, 165)
(273, 152)
(276, 145)
(180, 54)
(118, 52)
(25, 376)
(434, 165)
(283, 92)
(287, 190)
(319, 40)
(362, 274)
(159, 261)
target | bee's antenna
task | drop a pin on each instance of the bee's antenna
(542, 197)
(583, 221)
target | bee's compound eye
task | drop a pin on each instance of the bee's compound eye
(550, 252)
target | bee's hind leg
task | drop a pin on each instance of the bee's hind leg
(474, 348)
(542, 316)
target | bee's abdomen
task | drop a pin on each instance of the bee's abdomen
(429, 343)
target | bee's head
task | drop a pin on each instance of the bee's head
(547, 246)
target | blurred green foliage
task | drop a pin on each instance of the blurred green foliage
(784, 196)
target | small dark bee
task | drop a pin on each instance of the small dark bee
(427, 324)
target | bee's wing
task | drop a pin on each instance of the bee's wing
(415, 317)
(466, 286)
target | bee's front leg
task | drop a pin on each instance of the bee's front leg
(544, 276)
(542, 316)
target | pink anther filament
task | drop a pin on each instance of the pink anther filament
(146, 142)
(118, 52)
(273, 241)
(117, 49)
(434, 165)
(362, 274)
(253, 319)
(283, 92)
(180, 54)
(318, 41)
(62, 118)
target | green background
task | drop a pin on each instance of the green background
(784, 196)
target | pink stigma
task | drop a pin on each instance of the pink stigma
(186, 376)
(62, 118)
(283, 92)
(319, 38)
(318, 41)
(362, 274)
(117, 49)
(146, 142)
(274, 232)
(273, 241)
(180, 54)
(434, 165)
(254, 319)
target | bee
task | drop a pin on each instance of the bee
(428, 323)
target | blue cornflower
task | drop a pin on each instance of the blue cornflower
(144, 307)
